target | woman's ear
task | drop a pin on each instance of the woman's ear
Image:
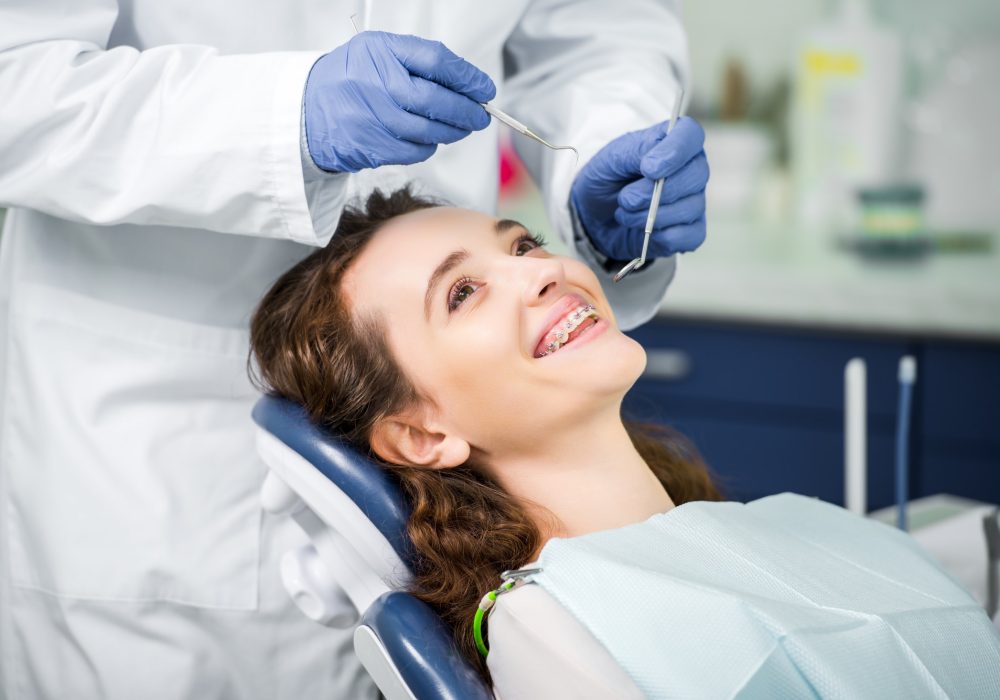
(409, 441)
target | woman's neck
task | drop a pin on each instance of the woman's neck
(592, 478)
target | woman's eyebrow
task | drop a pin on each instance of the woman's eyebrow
(443, 268)
(504, 225)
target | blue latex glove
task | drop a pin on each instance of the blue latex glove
(384, 99)
(612, 193)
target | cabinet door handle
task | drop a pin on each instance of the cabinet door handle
(667, 365)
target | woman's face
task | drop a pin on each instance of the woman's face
(508, 342)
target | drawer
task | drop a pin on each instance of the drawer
(975, 476)
(755, 454)
(959, 387)
(759, 366)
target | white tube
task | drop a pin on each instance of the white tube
(855, 436)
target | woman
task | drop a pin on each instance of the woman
(488, 375)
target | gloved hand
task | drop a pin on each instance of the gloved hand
(386, 99)
(612, 193)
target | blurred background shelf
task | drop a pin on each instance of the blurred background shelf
(783, 275)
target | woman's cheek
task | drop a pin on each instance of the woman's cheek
(483, 360)
(490, 342)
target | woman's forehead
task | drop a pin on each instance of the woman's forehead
(415, 241)
(440, 223)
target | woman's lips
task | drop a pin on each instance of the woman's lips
(577, 320)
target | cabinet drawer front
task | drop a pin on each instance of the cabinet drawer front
(960, 390)
(755, 366)
(756, 454)
(970, 476)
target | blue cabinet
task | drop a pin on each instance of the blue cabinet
(959, 421)
(765, 407)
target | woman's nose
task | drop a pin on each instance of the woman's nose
(542, 278)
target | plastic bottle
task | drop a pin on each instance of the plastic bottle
(845, 120)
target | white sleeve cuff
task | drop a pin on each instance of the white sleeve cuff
(309, 205)
(310, 171)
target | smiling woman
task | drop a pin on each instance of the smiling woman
(487, 374)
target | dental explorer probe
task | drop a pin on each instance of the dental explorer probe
(522, 129)
(654, 205)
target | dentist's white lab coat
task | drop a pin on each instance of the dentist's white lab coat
(150, 154)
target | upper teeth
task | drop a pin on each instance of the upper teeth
(571, 323)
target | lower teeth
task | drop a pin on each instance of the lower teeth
(552, 347)
(562, 337)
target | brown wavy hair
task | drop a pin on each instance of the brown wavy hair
(465, 528)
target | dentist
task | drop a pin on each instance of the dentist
(163, 163)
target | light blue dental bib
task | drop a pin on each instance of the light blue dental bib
(784, 597)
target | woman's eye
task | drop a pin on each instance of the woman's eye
(528, 243)
(462, 290)
(524, 247)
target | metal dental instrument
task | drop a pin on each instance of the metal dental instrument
(522, 129)
(654, 205)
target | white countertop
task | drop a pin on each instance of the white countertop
(778, 275)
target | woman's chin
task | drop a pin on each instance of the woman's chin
(608, 361)
(633, 357)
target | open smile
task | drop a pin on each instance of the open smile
(578, 319)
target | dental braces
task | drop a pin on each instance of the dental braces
(572, 321)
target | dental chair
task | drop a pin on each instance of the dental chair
(358, 558)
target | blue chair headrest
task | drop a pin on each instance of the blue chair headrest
(361, 479)
(422, 649)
